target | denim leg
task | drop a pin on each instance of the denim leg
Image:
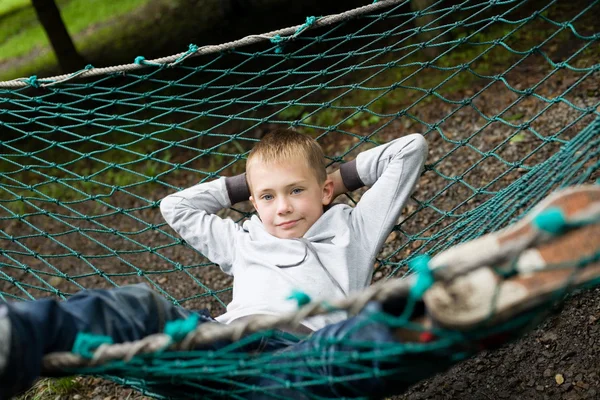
(44, 326)
(337, 351)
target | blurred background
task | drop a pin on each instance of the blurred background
(46, 37)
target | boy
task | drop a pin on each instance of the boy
(294, 244)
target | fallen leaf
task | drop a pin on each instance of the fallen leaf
(55, 281)
(514, 117)
(519, 137)
(559, 379)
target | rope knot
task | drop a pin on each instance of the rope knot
(86, 343)
(276, 39)
(301, 298)
(139, 60)
(180, 328)
(424, 281)
(551, 221)
(33, 81)
(192, 48)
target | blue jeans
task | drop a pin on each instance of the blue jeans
(132, 312)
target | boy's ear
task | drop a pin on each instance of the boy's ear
(327, 192)
(253, 202)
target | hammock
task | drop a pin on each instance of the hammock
(86, 157)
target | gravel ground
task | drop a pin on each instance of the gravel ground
(559, 360)
(565, 345)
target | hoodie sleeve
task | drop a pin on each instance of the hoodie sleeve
(392, 171)
(191, 213)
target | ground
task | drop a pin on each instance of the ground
(559, 359)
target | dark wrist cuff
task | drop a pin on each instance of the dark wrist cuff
(350, 176)
(237, 188)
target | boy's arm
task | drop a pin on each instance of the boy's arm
(191, 213)
(392, 171)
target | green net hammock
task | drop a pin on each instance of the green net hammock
(505, 92)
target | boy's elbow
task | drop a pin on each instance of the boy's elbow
(420, 145)
(167, 206)
(417, 147)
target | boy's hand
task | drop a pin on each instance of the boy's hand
(338, 183)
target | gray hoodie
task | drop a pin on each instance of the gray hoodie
(335, 256)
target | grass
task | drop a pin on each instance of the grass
(31, 68)
(338, 114)
(21, 32)
(483, 57)
(51, 389)
(8, 6)
(97, 178)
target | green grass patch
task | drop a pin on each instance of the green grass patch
(137, 166)
(52, 389)
(8, 6)
(480, 52)
(519, 137)
(31, 68)
(98, 180)
(21, 32)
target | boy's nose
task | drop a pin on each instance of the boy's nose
(284, 206)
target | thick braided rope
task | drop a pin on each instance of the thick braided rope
(204, 50)
(208, 333)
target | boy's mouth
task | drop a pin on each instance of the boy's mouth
(288, 224)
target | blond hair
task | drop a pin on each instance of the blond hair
(284, 145)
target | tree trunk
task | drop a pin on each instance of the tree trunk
(64, 49)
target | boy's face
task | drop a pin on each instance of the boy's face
(287, 196)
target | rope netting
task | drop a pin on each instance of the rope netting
(505, 92)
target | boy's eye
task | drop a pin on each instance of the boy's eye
(297, 190)
(267, 197)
